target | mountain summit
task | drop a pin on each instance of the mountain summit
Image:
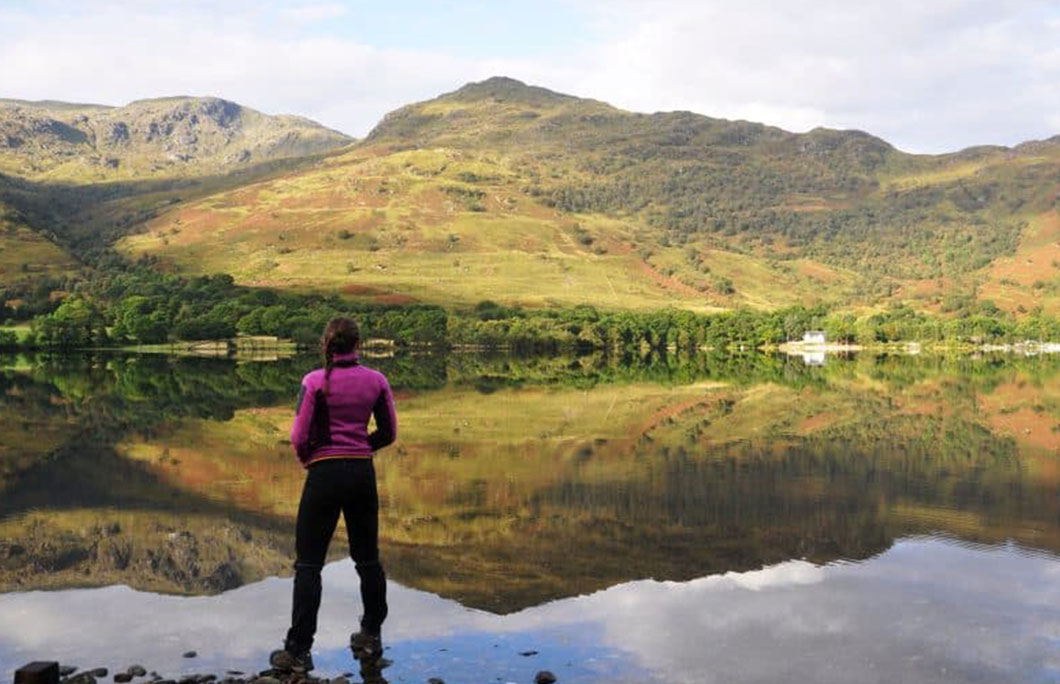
(156, 137)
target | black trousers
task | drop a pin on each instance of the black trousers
(345, 485)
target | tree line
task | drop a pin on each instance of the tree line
(142, 306)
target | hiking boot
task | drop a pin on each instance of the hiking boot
(288, 661)
(366, 646)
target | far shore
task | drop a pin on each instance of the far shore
(267, 348)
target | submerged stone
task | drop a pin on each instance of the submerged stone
(266, 680)
(544, 677)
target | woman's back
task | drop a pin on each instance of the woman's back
(331, 439)
(333, 411)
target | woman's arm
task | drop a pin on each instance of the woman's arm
(303, 417)
(385, 419)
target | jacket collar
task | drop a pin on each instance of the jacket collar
(347, 359)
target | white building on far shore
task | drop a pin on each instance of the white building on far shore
(814, 337)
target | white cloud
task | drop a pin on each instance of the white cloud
(927, 76)
(315, 11)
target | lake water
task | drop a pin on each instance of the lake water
(712, 519)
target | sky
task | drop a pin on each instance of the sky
(928, 77)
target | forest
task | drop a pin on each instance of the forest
(137, 305)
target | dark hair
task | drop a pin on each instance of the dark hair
(341, 336)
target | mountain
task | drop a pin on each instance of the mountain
(541, 198)
(515, 193)
(148, 138)
(80, 174)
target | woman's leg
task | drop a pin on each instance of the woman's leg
(360, 508)
(318, 513)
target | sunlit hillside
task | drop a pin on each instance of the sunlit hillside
(26, 255)
(515, 193)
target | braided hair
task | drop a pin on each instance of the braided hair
(341, 336)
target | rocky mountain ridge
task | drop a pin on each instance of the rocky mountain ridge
(150, 138)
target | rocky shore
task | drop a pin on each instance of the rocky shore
(371, 672)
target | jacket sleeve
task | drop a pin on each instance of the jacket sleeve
(385, 418)
(303, 416)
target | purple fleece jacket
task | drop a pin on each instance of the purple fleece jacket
(355, 394)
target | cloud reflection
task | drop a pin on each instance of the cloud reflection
(927, 610)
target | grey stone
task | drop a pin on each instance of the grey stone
(83, 678)
(137, 670)
(190, 654)
(122, 677)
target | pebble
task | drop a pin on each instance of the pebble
(137, 670)
(527, 653)
(98, 672)
(544, 677)
(190, 654)
(435, 680)
(83, 678)
(122, 677)
(67, 670)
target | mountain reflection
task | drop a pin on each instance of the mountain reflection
(518, 481)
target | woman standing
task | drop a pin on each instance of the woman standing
(331, 439)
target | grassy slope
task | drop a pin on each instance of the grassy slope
(80, 174)
(507, 192)
(26, 254)
(406, 227)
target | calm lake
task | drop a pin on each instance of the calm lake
(708, 519)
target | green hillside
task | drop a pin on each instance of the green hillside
(83, 174)
(27, 256)
(520, 195)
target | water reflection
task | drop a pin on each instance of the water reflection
(926, 610)
(520, 481)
